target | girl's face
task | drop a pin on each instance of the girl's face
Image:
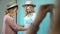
(29, 9)
(14, 11)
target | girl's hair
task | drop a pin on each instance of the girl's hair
(6, 12)
(9, 10)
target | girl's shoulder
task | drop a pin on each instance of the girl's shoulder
(8, 17)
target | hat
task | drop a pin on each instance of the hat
(11, 4)
(29, 3)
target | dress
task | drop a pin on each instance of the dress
(9, 26)
(28, 21)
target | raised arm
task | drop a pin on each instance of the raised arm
(40, 16)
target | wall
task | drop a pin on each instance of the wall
(44, 27)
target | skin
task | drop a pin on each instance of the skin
(55, 24)
(42, 11)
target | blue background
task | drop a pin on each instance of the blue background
(44, 26)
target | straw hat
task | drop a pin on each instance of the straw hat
(11, 4)
(29, 3)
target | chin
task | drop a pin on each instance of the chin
(12, 15)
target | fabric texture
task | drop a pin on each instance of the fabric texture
(9, 26)
(28, 21)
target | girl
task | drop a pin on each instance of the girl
(9, 25)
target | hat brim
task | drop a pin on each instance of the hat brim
(12, 6)
(29, 5)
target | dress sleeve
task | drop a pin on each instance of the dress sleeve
(13, 24)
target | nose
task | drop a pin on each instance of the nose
(28, 7)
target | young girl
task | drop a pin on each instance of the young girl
(9, 25)
(29, 15)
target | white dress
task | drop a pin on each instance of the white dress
(28, 20)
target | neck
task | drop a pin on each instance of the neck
(9, 15)
(30, 14)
